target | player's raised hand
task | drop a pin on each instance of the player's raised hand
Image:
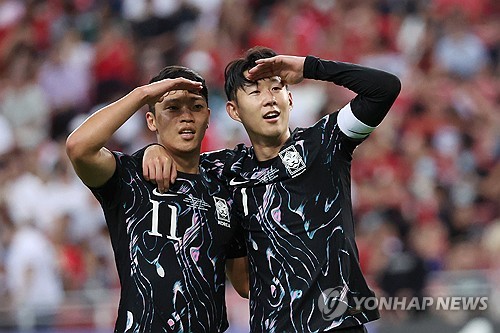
(158, 167)
(289, 68)
(155, 92)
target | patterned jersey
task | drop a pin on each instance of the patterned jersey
(297, 213)
(170, 249)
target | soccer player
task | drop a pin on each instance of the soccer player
(170, 247)
(292, 190)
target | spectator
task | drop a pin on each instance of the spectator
(32, 277)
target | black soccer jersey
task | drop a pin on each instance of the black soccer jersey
(170, 249)
(296, 209)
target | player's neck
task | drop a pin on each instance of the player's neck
(268, 148)
(187, 164)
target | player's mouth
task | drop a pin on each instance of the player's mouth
(271, 116)
(187, 133)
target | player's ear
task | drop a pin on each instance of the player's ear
(208, 118)
(151, 121)
(290, 100)
(232, 110)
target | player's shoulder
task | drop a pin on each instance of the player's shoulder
(322, 125)
(126, 160)
(223, 156)
(212, 156)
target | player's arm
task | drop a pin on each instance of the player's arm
(157, 166)
(95, 164)
(237, 272)
(376, 92)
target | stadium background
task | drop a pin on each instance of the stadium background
(426, 185)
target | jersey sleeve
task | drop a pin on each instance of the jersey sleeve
(351, 126)
(139, 154)
(376, 92)
(330, 130)
(107, 193)
(215, 162)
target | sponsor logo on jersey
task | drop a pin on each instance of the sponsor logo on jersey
(222, 211)
(196, 203)
(292, 160)
(261, 177)
(234, 182)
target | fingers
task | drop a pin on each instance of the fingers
(266, 67)
(266, 60)
(185, 84)
(162, 170)
(158, 90)
(265, 64)
(147, 171)
(289, 68)
(173, 174)
(260, 71)
(166, 174)
(157, 168)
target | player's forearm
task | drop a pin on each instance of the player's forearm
(91, 136)
(377, 90)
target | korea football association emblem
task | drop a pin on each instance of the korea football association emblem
(222, 211)
(292, 160)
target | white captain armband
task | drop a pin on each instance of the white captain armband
(352, 126)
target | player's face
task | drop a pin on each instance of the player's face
(264, 110)
(180, 122)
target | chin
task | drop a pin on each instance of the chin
(190, 149)
(274, 133)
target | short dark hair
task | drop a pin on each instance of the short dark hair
(175, 71)
(234, 78)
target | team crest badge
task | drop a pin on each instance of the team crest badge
(292, 160)
(222, 211)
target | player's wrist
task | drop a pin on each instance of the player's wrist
(152, 145)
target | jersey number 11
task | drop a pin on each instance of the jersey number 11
(173, 221)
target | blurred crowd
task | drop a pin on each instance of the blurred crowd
(426, 184)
